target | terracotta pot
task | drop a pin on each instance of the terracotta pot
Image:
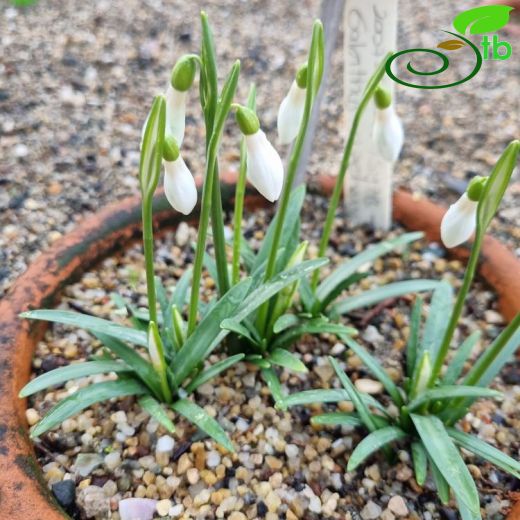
(23, 493)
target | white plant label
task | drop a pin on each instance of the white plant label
(370, 31)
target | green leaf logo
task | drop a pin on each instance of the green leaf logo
(488, 18)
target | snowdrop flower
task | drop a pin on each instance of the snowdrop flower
(179, 184)
(292, 107)
(182, 77)
(459, 222)
(388, 130)
(264, 166)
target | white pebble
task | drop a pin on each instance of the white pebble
(213, 459)
(113, 460)
(369, 386)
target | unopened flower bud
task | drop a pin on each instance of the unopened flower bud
(179, 186)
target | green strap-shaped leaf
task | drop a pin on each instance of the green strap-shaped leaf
(499, 353)
(284, 358)
(391, 290)
(350, 266)
(337, 419)
(314, 326)
(74, 371)
(420, 462)
(465, 513)
(239, 329)
(208, 333)
(355, 397)
(372, 443)
(334, 395)
(437, 321)
(275, 387)
(142, 368)
(447, 459)
(486, 451)
(375, 367)
(291, 219)
(213, 371)
(450, 392)
(84, 398)
(91, 323)
(483, 19)
(276, 284)
(456, 365)
(200, 418)
(441, 484)
(156, 410)
(284, 322)
(412, 345)
(180, 293)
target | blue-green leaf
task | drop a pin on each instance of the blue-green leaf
(372, 443)
(91, 323)
(412, 345)
(449, 392)
(213, 371)
(275, 387)
(74, 371)
(337, 419)
(349, 267)
(486, 451)
(84, 398)
(420, 462)
(447, 459)
(286, 359)
(384, 292)
(439, 314)
(200, 418)
(456, 365)
(156, 410)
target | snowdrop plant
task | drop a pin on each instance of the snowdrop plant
(436, 391)
(264, 301)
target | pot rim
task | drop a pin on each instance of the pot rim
(23, 491)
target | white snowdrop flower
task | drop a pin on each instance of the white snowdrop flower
(179, 185)
(182, 77)
(175, 113)
(264, 165)
(291, 110)
(460, 221)
(388, 130)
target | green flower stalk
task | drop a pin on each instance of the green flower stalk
(370, 89)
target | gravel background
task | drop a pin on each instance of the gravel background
(76, 79)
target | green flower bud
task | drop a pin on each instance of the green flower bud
(382, 98)
(247, 120)
(170, 151)
(476, 188)
(183, 73)
(301, 76)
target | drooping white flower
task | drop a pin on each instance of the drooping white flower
(175, 113)
(264, 166)
(388, 133)
(290, 113)
(179, 186)
(459, 222)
